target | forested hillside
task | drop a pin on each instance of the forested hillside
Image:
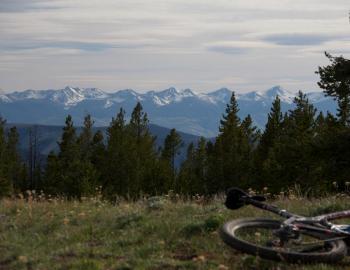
(302, 148)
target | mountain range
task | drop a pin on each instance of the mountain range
(187, 111)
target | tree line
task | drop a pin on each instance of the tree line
(301, 147)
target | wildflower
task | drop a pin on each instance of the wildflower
(23, 259)
(65, 221)
(199, 258)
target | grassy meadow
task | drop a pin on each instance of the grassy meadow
(156, 233)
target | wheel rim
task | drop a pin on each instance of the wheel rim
(263, 236)
(253, 241)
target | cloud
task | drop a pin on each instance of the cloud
(228, 49)
(187, 43)
(295, 39)
(9, 6)
(237, 47)
(73, 45)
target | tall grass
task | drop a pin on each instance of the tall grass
(164, 232)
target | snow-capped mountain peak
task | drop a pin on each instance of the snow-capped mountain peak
(282, 93)
(169, 95)
(4, 97)
(221, 95)
(188, 93)
(185, 110)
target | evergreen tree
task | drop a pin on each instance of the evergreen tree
(85, 138)
(187, 176)
(71, 173)
(273, 129)
(53, 175)
(250, 131)
(5, 183)
(335, 80)
(193, 171)
(145, 170)
(12, 162)
(98, 152)
(34, 162)
(117, 165)
(231, 157)
(290, 160)
(171, 149)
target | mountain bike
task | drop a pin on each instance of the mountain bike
(294, 238)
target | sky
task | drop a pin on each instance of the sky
(245, 45)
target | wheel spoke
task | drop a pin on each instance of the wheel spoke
(259, 237)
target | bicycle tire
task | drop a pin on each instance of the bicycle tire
(337, 248)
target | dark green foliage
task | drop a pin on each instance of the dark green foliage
(5, 184)
(287, 159)
(72, 172)
(131, 165)
(142, 153)
(116, 161)
(171, 149)
(33, 164)
(273, 129)
(231, 159)
(12, 171)
(335, 80)
(193, 173)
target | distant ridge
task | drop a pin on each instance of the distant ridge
(185, 110)
(49, 135)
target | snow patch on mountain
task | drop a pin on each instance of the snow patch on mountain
(168, 96)
(3, 97)
(222, 95)
(284, 95)
(185, 110)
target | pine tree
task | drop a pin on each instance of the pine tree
(68, 144)
(273, 129)
(145, 170)
(34, 162)
(231, 147)
(89, 174)
(171, 149)
(187, 176)
(249, 145)
(117, 166)
(335, 81)
(193, 171)
(250, 131)
(290, 160)
(230, 120)
(12, 162)
(5, 184)
(71, 173)
(85, 138)
(52, 183)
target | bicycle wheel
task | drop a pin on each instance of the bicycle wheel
(254, 236)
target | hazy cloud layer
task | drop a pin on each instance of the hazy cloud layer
(295, 39)
(199, 44)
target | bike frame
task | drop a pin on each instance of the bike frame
(320, 224)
